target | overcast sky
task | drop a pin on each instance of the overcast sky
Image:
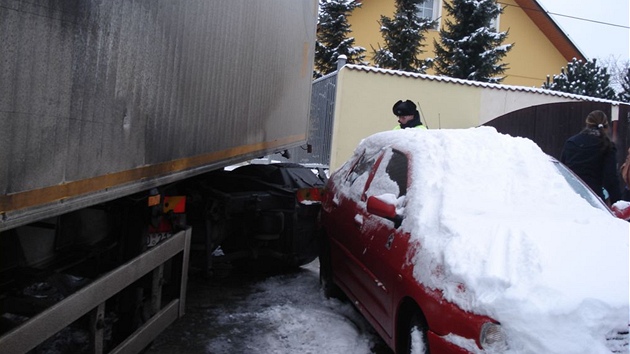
(598, 28)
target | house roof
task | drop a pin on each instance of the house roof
(550, 29)
(462, 82)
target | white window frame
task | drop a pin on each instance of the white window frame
(437, 14)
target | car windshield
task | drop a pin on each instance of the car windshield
(579, 187)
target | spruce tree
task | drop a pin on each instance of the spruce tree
(624, 95)
(404, 35)
(582, 78)
(332, 36)
(470, 48)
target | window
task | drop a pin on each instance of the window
(397, 171)
(358, 175)
(429, 9)
(425, 9)
(363, 165)
(390, 177)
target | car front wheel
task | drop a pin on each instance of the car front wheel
(415, 338)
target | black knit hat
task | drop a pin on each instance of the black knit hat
(406, 108)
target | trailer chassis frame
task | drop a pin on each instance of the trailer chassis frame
(91, 299)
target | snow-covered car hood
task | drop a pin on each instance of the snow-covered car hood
(553, 292)
(491, 212)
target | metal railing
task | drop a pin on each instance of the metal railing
(91, 299)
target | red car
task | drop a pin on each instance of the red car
(432, 234)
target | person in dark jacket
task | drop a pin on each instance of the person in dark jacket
(591, 155)
(408, 115)
(625, 177)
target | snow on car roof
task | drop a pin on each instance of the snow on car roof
(494, 213)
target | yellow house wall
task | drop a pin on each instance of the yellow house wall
(533, 56)
(364, 100)
(531, 59)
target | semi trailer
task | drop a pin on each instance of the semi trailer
(117, 119)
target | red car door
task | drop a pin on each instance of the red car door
(384, 241)
(345, 215)
(344, 220)
(361, 243)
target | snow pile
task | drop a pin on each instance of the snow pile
(289, 314)
(495, 214)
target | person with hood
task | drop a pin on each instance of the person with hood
(408, 115)
(591, 155)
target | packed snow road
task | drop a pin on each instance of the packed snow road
(257, 313)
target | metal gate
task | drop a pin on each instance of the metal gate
(550, 125)
(319, 140)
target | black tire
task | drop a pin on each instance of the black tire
(414, 340)
(331, 290)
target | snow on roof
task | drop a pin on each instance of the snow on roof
(450, 80)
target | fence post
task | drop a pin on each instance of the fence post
(341, 61)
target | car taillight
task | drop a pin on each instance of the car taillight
(493, 337)
(309, 195)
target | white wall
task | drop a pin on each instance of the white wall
(365, 97)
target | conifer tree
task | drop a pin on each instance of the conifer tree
(332, 36)
(470, 48)
(624, 95)
(582, 78)
(403, 35)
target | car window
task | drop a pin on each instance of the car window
(580, 187)
(359, 174)
(397, 171)
(361, 168)
(391, 176)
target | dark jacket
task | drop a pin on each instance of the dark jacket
(412, 123)
(587, 155)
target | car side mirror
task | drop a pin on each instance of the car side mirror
(383, 209)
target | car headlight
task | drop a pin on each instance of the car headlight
(493, 337)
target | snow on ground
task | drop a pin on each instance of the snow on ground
(281, 314)
(297, 318)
